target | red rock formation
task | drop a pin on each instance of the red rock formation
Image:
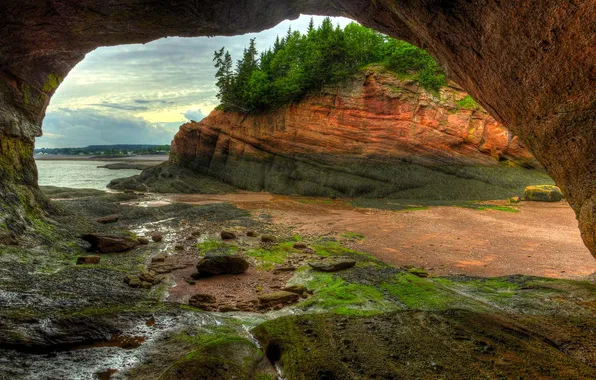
(371, 119)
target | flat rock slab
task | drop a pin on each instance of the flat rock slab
(332, 265)
(88, 260)
(278, 297)
(221, 264)
(109, 219)
(109, 244)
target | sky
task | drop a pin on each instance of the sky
(142, 93)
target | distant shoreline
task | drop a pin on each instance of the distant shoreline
(144, 158)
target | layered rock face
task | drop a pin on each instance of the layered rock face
(530, 64)
(354, 139)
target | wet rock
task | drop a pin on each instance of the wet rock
(109, 244)
(221, 264)
(143, 240)
(268, 239)
(156, 237)
(195, 233)
(203, 301)
(298, 289)
(419, 272)
(158, 259)
(251, 234)
(227, 235)
(179, 247)
(332, 265)
(300, 245)
(543, 193)
(109, 219)
(514, 200)
(277, 298)
(8, 239)
(88, 260)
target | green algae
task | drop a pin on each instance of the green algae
(217, 247)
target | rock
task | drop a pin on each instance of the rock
(202, 301)
(156, 237)
(135, 282)
(419, 272)
(179, 247)
(109, 244)
(109, 219)
(221, 264)
(332, 265)
(143, 240)
(126, 165)
(298, 289)
(88, 260)
(543, 193)
(278, 297)
(268, 239)
(421, 129)
(158, 259)
(251, 234)
(300, 245)
(514, 200)
(283, 268)
(227, 235)
(195, 233)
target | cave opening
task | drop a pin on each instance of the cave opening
(207, 282)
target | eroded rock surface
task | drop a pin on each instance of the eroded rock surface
(530, 64)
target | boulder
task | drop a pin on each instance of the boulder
(332, 265)
(221, 264)
(156, 237)
(109, 244)
(143, 240)
(158, 259)
(88, 260)
(227, 235)
(109, 219)
(278, 297)
(268, 238)
(300, 245)
(543, 193)
(251, 234)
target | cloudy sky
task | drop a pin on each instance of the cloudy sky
(140, 94)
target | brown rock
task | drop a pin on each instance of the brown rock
(278, 297)
(332, 265)
(158, 259)
(156, 237)
(268, 238)
(143, 240)
(88, 260)
(298, 289)
(195, 233)
(227, 235)
(109, 244)
(203, 301)
(300, 245)
(543, 193)
(179, 247)
(221, 264)
(251, 234)
(108, 219)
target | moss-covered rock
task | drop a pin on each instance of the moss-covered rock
(543, 193)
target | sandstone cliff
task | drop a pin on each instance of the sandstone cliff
(372, 135)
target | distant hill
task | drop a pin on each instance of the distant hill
(107, 150)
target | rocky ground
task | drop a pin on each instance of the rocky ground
(311, 305)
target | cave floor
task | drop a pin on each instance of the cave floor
(467, 290)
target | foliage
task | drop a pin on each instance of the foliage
(108, 150)
(467, 103)
(298, 63)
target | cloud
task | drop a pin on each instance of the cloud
(196, 115)
(121, 106)
(66, 127)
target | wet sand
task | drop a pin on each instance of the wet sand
(540, 240)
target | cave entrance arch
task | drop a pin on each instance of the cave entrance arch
(531, 64)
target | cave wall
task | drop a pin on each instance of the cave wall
(530, 63)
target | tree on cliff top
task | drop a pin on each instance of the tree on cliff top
(299, 63)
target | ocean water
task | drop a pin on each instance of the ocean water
(79, 174)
